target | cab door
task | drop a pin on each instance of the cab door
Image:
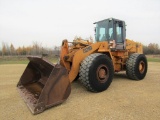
(119, 27)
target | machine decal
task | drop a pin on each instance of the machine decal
(87, 49)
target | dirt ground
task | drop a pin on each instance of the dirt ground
(124, 100)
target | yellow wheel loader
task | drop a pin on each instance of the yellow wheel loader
(44, 84)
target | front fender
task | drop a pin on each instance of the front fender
(80, 55)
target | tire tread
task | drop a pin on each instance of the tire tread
(84, 70)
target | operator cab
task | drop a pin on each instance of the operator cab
(111, 30)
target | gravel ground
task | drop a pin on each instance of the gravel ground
(124, 100)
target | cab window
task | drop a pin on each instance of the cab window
(119, 32)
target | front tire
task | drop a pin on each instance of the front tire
(96, 72)
(136, 66)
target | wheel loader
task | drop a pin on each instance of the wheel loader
(44, 84)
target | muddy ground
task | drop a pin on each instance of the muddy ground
(124, 100)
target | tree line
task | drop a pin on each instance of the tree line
(38, 49)
(35, 49)
(152, 48)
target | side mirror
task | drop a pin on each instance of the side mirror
(95, 29)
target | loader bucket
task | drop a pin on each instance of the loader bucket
(43, 84)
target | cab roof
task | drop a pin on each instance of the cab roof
(108, 19)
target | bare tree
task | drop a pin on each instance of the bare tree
(4, 49)
(12, 49)
(36, 48)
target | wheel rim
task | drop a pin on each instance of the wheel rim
(102, 73)
(141, 67)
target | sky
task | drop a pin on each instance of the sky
(48, 22)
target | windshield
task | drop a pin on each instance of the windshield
(104, 30)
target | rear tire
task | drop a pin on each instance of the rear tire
(96, 72)
(136, 66)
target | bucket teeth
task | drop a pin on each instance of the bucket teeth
(29, 96)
